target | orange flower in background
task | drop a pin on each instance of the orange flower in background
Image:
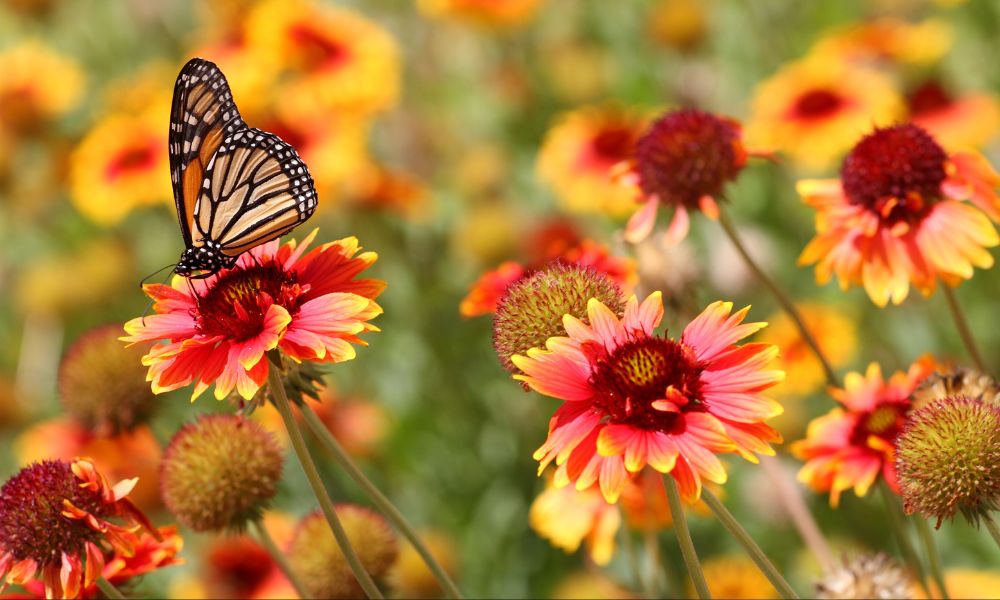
(38, 84)
(58, 522)
(381, 188)
(120, 165)
(896, 216)
(336, 60)
(684, 160)
(489, 288)
(632, 398)
(970, 120)
(832, 329)
(489, 13)
(888, 39)
(851, 445)
(277, 296)
(579, 154)
(814, 109)
(568, 517)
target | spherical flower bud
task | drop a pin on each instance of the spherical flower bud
(321, 566)
(866, 576)
(220, 472)
(102, 383)
(959, 382)
(948, 459)
(532, 308)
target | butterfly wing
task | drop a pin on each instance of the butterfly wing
(255, 189)
(201, 116)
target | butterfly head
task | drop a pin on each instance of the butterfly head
(207, 259)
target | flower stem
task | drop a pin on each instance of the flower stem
(898, 525)
(786, 303)
(799, 512)
(279, 558)
(994, 530)
(931, 552)
(963, 328)
(684, 538)
(108, 589)
(753, 550)
(379, 500)
(305, 459)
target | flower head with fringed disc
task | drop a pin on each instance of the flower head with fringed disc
(633, 398)
(308, 304)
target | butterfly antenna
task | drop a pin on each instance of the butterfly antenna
(152, 299)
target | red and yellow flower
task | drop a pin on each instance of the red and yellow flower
(579, 154)
(59, 521)
(632, 398)
(896, 216)
(38, 84)
(814, 109)
(277, 296)
(850, 446)
(888, 39)
(488, 13)
(967, 121)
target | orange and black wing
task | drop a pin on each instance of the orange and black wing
(201, 116)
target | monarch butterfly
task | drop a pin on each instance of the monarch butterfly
(235, 186)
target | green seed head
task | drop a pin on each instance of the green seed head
(532, 308)
(948, 459)
(220, 472)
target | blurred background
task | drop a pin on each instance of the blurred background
(446, 135)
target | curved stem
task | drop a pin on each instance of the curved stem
(305, 459)
(753, 550)
(963, 328)
(108, 589)
(799, 512)
(384, 505)
(786, 303)
(932, 554)
(268, 542)
(684, 538)
(898, 526)
(994, 530)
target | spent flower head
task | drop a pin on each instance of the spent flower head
(875, 576)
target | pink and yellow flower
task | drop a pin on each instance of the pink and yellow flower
(309, 305)
(814, 109)
(896, 216)
(853, 444)
(632, 398)
(967, 121)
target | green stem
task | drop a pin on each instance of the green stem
(108, 589)
(898, 525)
(994, 530)
(786, 303)
(753, 550)
(684, 539)
(963, 328)
(384, 505)
(305, 459)
(279, 558)
(932, 554)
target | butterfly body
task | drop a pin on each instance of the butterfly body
(235, 187)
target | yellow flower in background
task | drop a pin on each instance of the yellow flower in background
(589, 585)
(487, 13)
(410, 577)
(969, 120)
(832, 329)
(38, 84)
(340, 60)
(679, 24)
(815, 109)
(119, 165)
(889, 39)
(148, 89)
(103, 264)
(568, 517)
(735, 577)
(579, 154)
(971, 584)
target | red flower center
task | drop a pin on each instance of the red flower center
(896, 172)
(642, 371)
(612, 145)
(687, 154)
(240, 567)
(929, 97)
(317, 49)
(237, 302)
(885, 421)
(31, 520)
(133, 158)
(817, 104)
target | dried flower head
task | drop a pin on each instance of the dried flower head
(319, 562)
(948, 459)
(531, 310)
(866, 576)
(220, 472)
(102, 384)
(957, 382)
